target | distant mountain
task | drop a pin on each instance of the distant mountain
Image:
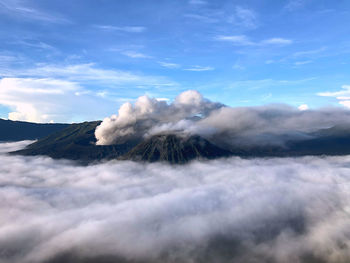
(20, 130)
(76, 142)
(174, 149)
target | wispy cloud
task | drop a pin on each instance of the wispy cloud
(134, 54)
(206, 18)
(299, 63)
(63, 92)
(293, 5)
(264, 83)
(244, 17)
(199, 68)
(243, 40)
(240, 40)
(129, 29)
(309, 53)
(343, 96)
(339, 94)
(239, 16)
(197, 2)
(88, 74)
(169, 65)
(276, 41)
(18, 8)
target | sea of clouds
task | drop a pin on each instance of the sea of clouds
(227, 210)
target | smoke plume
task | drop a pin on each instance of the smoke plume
(228, 126)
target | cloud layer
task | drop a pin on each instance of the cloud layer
(257, 210)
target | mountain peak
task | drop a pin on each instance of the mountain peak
(174, 148)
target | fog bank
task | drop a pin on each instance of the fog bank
(228, 210)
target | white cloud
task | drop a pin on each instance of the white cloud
(242, 40)
(277, 41)
(343, 96)
(87, 74)
(237, 40)
(344, 92)
(299, 63)
(293, 5)
(309, 53)
(197, 2)
(169, 65)
(255, 210)
(129, 29)
(44, 100)
(246, 17)
(199, 68)
(42, 93)
(134, 54)
(206, 18)
(17, 8)
(303, 107)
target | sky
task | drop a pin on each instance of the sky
(70, 61)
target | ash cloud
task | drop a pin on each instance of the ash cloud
(229, 210)
(192, 114)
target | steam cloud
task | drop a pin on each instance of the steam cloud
(227, 126)
(230, 210)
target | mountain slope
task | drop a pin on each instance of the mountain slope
(174, 149)
(76, 142)
(20, 130)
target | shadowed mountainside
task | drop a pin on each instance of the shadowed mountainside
(20, 130)
(78, 142)
(174, 149)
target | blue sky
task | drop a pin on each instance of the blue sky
(66, 61)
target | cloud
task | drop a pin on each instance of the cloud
(232, 210)
(199, 68)
(197, 2)
(18, 8)
(89, 73)
(299, 63)
(205, 18)
(309, 53)
(244, 17)
(128, 29)
(169, 65)
(44, 100)
(293, 5)
(242, 40)
(303, 107)
(228, 127)
(277, 41)
(50, 91)
(343, 96)
(233, 15)
(134, 54)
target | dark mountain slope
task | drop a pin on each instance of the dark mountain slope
(76, 142)
(174, 149)
(20, 130)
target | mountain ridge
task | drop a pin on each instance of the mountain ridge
(77, 142)
(21, 130)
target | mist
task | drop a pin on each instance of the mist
(226, 210)
(223, 125)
